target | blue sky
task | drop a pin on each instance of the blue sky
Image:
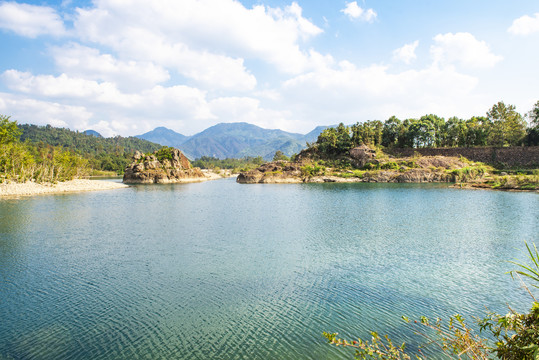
(124, 67)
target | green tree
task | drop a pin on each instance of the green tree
(509, 127)
(406, 136)
(533, 115)
(478, 130)
(327, 141)
(390, 131)
(344, 141)
(280, 156)
(423, 132)
(9, 132)
(532, 133)
(454, 132)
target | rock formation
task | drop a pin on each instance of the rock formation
(273, 172)
(404, 170)
(361, 155)
(174, 167)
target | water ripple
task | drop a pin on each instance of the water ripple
(223, 271)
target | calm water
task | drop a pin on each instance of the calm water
(226, 271)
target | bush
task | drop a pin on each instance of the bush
(312, 170)
(390, 165)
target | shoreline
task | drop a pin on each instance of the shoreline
(77, 185)
(29, 188)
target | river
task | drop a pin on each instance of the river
(219, 270)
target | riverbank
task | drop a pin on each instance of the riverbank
(77, 185)
(425, 169)
(422, 169)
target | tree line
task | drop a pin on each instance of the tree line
(502, 126)
(107, 154)
(26, 161)
(237, 165)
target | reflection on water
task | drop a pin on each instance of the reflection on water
(221, 270)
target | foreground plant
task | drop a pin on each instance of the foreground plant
(377, 348)
(456, 339)
(516, 335)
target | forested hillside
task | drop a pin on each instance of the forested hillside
(109, 154)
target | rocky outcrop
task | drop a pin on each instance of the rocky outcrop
(174, 167)
(361, 155)
(425, 169)
(274, 172)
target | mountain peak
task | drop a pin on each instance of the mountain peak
(233, 140)
(92, 133)
(164, 136)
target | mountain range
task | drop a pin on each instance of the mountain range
(233, 140)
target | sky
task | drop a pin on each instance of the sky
(125, 67)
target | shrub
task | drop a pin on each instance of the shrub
(390, 165)
(312, 170)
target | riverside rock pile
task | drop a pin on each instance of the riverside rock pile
(147, 169)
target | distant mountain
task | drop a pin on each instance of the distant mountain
(162, 135)
(234, 140)
(92, 133)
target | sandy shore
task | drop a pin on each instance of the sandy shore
(30, 188)
(212, 175)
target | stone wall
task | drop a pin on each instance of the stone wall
(509, 156)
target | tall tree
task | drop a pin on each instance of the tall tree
(9, 132)
(390, 131)
(478, 131)
(509, 127)
(532, 136)
(533, 115)
(454, 132)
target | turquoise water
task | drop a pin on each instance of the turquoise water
(219, 270)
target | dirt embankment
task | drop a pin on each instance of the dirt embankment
(424, 169)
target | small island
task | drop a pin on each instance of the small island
(164, 166)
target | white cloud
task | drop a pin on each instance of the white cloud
(194, 35)
(246, 109)
(66, 87)
(463, 49)
(354, 11)
(30, 20)
(375, 92)
(207, 69)
(118, 109)
(32, 111)
(525, 25)
(88, 63)
(406, 53)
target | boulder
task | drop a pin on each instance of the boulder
(361, 155)
(137, 155)
(147, 169)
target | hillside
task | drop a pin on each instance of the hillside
(109, 154)
(234, 140)
(84, 143)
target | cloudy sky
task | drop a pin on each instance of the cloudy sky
(124, 67)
